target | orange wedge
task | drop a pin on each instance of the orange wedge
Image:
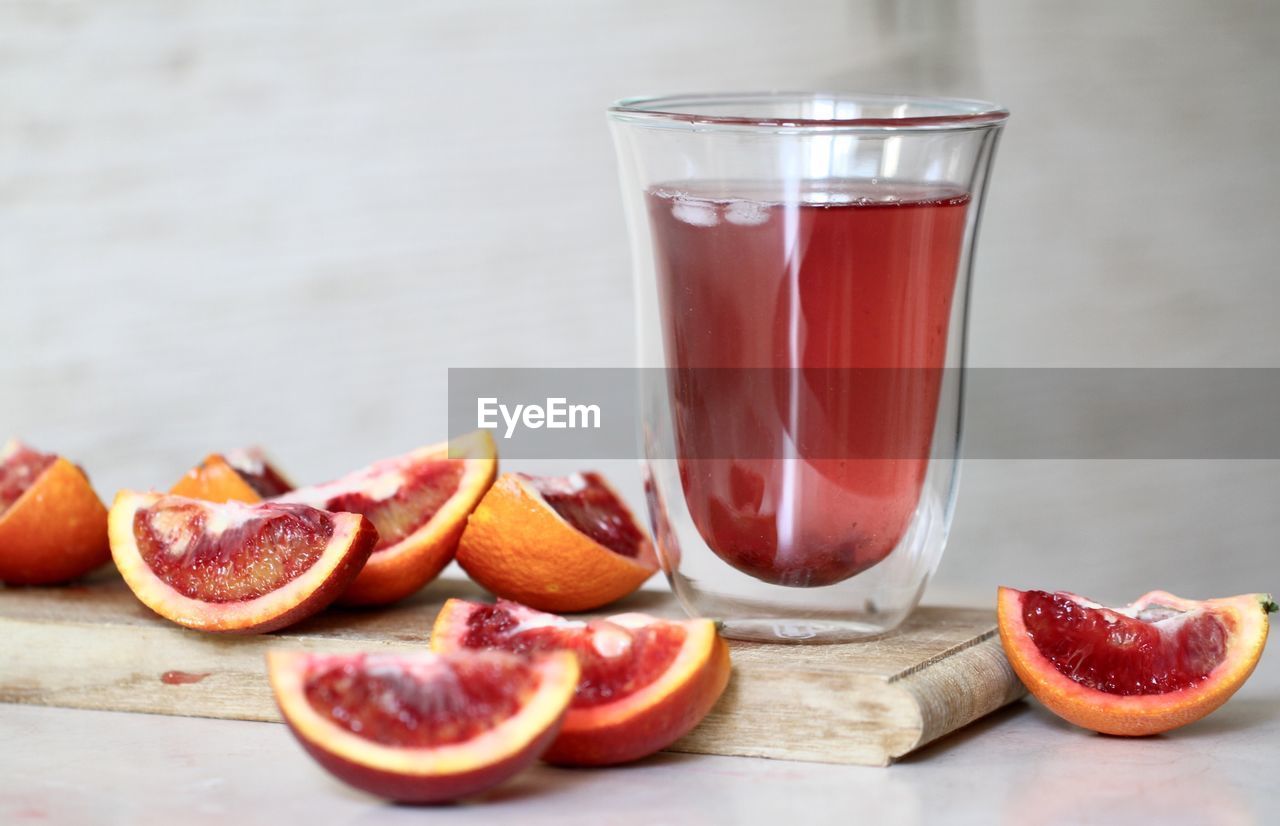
(53, 527)
(1148, 667)
(423, 728)
(235, 567)
(556, 544)
(240, 476)
(645, 683)
(419, 503)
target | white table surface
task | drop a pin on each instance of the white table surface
(1020, 765)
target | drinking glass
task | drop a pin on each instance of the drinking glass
(802, 265)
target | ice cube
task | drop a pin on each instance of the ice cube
(697, 213)
(747, 213)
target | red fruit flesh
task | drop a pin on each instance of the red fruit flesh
(419, 704)
(616, 662)
(586, 502)
(644, 682)
(234, 567)
(259, 551)
(423, 728)
(1107, 651)
(418, 504)
(19, 471)
(258, 473)
(421, 491)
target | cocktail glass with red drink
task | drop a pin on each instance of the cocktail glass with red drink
(802, 267)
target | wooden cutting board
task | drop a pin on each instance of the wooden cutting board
(95, 646)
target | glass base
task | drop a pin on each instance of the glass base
(740, 619)
(861, 607)
(803, 631)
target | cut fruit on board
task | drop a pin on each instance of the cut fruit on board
(242, 475)
(234, 566)
(419, 503)
(645, 683)
(556, 544)
(1145, 668)
(96, 646)
(53, 527)
(423, 728)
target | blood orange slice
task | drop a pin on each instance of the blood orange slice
(423, 728)
(233, 566)
(645, 682)
(53, 527)
(243, 475)
(255, 468)
(419, 503)
(556, 544)
(1149, 667)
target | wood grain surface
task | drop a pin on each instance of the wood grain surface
(95, 646)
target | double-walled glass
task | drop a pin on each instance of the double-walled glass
(802, 266)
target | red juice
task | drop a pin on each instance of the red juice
(803, 462)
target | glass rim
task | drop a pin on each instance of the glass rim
(682, 111)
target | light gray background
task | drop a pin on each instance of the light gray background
(281, 222)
